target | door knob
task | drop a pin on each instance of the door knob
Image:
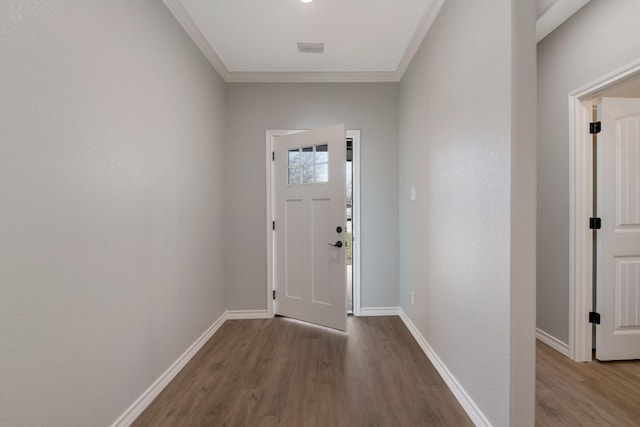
(338, 244)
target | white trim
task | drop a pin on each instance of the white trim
(595, 88)
(580, 208)
(431, 12)
(247, 314)
(379, 311)
(183, 17)
(355, 135)
(553, 342)
(355, 220)
(311, 77)
(580, 239)
(554, 17)
(469, 406)
(141, 403)
(581, 178)
(429, 15)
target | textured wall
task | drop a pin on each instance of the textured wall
(254, 108)
(463, 252)
(111, 133)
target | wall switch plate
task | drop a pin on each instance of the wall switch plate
(413, 298)
(413, 194)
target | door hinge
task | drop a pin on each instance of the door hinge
(595, 223)
(273, 155)
(274, 294)
(273, 225)
(594, 317)
(595, 127)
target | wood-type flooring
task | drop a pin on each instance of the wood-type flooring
(281, 372)
(591, 394)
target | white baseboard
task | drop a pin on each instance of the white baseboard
(472, 410)
(134, 411)
(247, 314)
(478, 418)
(379, 311)
(552, 342)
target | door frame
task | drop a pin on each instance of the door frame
(271, 134)
(581, 208)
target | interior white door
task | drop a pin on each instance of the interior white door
(310, 222)
(618, 242)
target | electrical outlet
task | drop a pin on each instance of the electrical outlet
(413, 194)
(413, 298)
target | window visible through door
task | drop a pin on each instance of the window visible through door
(309, 165)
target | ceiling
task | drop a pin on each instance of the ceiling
(364, 40)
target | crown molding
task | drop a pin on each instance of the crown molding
(556, 15)
(429, 15)
(183, 17)
(311, 77)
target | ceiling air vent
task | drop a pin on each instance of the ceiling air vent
(310, 47)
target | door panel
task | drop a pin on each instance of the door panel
(309, 197)
(293, 250)
(321, 251)
(627, 298)
(618, 242)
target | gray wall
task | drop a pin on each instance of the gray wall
(566, 62)
(254, 108)
(111, 134)
(467, 242)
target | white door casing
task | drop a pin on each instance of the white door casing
(618, 241)
(309, 206)
(581, 208)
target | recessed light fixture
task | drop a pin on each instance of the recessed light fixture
(306, 1)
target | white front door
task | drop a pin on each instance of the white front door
(618, 242)
(309, 195)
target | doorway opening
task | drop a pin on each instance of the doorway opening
(352, 217)
(349, 217)
(583, 199)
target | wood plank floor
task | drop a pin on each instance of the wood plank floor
(280, 372)
(585, 394)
